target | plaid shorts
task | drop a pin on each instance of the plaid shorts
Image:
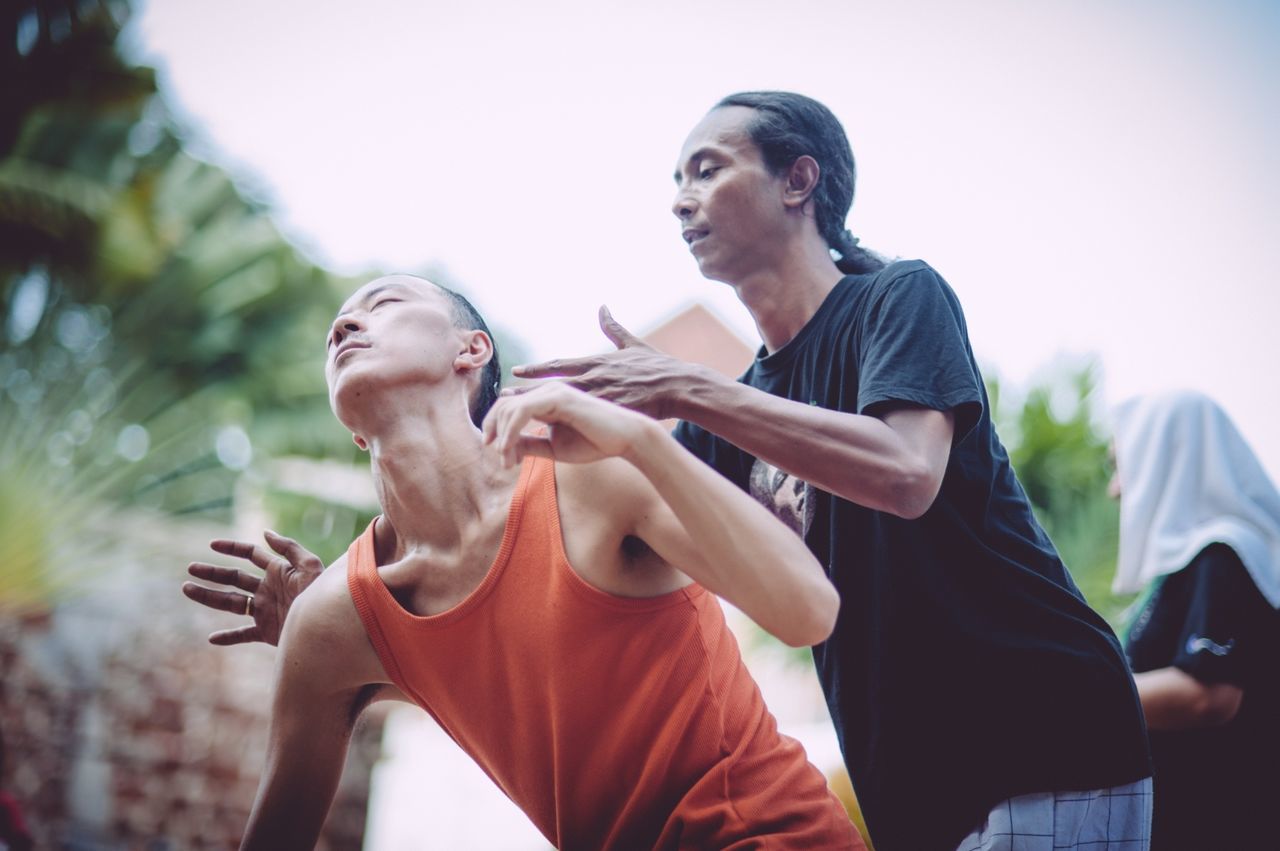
(1115, 819)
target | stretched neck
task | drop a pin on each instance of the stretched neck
(435, 480)
(783, 296)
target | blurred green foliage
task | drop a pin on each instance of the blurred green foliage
(1059, 450)
(159, 337)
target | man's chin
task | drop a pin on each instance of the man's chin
(713, 273)
(352, 389)
(707, 268)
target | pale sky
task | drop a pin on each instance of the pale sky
(1090, 177)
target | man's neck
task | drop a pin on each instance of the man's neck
(435, 481)
(783, 297)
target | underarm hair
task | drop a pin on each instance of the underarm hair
(635, 549)
(367, 695)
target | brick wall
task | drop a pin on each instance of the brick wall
(125, 729)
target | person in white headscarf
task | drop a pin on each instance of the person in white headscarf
(1200, 533)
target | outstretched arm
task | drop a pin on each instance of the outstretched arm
(893, 463)
(325, 673)
(310, 731)
(692, 517)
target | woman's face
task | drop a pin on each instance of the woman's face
(730, 207)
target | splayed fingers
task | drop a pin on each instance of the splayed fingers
(287, 569)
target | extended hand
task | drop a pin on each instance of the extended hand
(272, 594)
(579, 427)
(636, 376)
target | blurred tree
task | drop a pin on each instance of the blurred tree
(1060, 454)
(157, 332)
(59, 58)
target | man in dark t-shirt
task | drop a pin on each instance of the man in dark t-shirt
(966, 671)
(982, 672)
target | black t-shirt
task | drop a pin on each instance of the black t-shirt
(965, 667)
(1215, 787)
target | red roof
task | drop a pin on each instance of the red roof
(695, 334)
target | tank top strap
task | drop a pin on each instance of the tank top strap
(362, 567)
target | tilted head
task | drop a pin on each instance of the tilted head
(405, 331)
(801, 142)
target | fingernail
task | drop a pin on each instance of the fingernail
(518, 369)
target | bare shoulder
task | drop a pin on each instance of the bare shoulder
(324, 633)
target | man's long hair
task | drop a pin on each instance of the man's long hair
(788, 126)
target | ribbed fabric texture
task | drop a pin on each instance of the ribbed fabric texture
(612, 722)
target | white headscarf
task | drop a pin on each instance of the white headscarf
(1187, 480)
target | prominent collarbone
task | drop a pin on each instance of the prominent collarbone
(431, 583)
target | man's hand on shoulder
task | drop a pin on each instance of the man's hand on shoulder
(580, 429)
(287, 571)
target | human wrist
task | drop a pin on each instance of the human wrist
(644, 441)
(700, 389)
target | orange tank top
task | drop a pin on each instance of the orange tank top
(613, 722)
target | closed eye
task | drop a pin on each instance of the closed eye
(381, 302)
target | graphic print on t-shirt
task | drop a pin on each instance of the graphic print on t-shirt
(1197, 643)
(789, 498)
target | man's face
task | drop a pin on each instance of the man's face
(396, 331)
(729, 206)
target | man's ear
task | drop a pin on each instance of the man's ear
(478, 352)
(802, 180)
(360, 441)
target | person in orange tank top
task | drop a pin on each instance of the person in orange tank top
(548, 597)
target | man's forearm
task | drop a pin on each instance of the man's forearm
(306, 749)
(290, 809)
(746, 555)
(859, 458)
(314, 706)
(1172, 699)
